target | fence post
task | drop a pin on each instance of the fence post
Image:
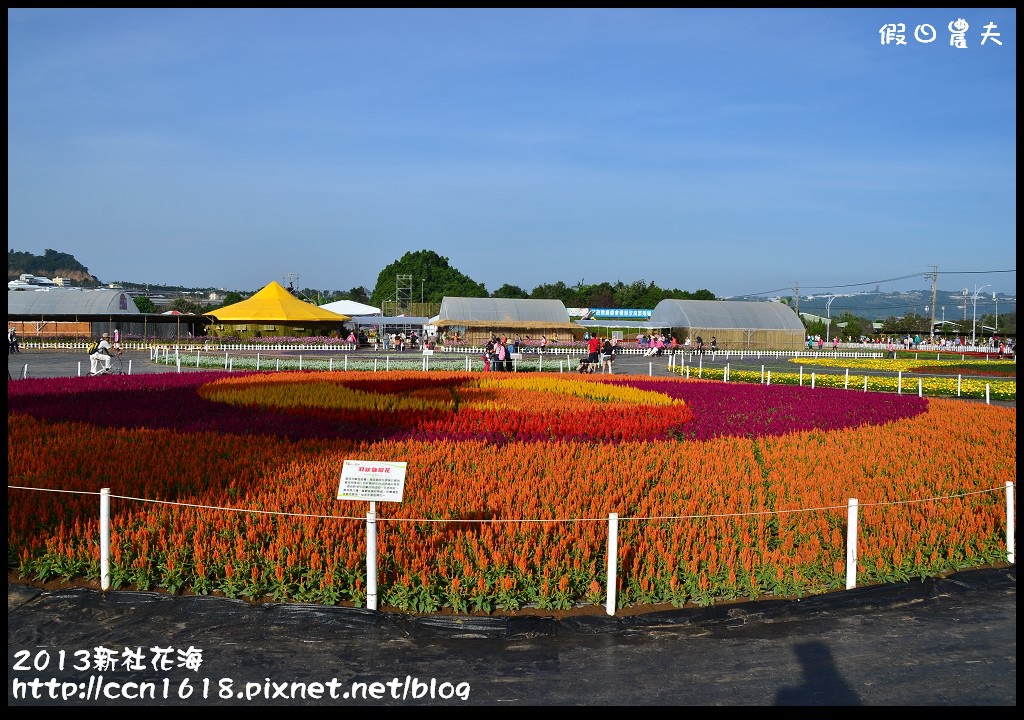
(613, 555)
(371, 557)
(105, 539)
(851, 544)
(1010, 554)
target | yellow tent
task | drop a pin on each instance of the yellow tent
(274, 305)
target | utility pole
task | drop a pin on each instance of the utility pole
(934, 275)
(796, 291)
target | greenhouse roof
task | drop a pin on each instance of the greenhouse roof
(726, 315)
(503, 313)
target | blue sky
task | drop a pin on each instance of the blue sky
(741, 151)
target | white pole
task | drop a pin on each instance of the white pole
(197, 361)
(105, 538)
(300, 362)
(371, 557)
(257, 361)
(650, 369)
(330, 364)
(231, 365)
(769, 377)
(613, 554)
(851, 544)
(129, 367)
(865, 383)
(987, 387)
(177, 361)
(279, 365)
(801, 376)
(812, 381)
(1010, 554)
(225, 359)
(920, 387)
(958, 377)
(762, 374)
(387, 362)
(79, 369)
(899, 382)
(847, 379)
(725, 373)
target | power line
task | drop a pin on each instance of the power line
(879, 282)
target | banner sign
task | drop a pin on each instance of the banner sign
(609, 313)
(372, 480)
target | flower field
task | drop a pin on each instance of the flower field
(226, 483)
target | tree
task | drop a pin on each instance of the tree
(600, 296)
(231, 298)
(557, 291)
(432, 279)
(510, 291)
(144, 304)
(909, 324)
(190, 307)
(850, 326)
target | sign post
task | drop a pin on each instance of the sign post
(373, 481)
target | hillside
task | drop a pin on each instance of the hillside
(50, 264)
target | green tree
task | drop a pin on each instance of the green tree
(510, 291)
(144, 304)
(432, 280)
(599, 296)
(848, 325)
(555, 291)
(231, 298)
(190, 307)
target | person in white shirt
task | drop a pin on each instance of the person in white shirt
(101, 356)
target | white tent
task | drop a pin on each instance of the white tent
(351, 308)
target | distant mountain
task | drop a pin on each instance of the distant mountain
(878, 306)
(50, 264)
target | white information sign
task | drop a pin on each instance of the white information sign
(372, 480)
